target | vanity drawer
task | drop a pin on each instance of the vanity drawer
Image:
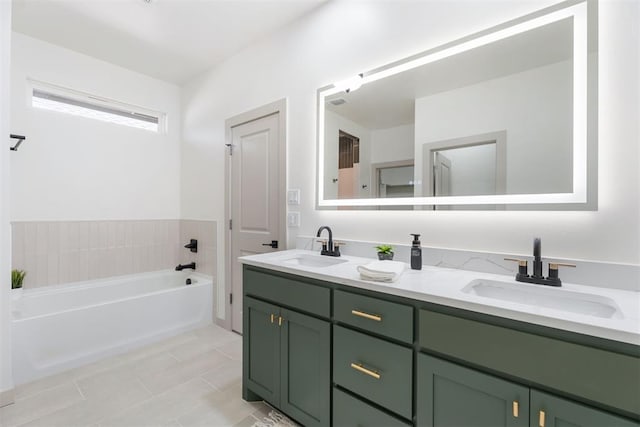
(373, 368)
(286, 291)
(596, 374)
(372, 314)
(349, 411)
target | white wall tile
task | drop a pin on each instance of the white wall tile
(69, 251)
(83, 235)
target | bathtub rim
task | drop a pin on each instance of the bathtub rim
(88, 284)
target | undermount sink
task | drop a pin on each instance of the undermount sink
(317, 261)
(542, 296)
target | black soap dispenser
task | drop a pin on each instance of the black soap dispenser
(416, 253)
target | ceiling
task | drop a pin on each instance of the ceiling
(172, 40)
(390, 102)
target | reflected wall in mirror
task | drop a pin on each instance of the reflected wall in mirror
(498, 118)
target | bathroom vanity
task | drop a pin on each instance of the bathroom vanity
(436, 348)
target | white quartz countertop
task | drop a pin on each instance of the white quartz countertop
(448, 287)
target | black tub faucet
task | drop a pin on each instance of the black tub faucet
(181, 267)
(327, 245)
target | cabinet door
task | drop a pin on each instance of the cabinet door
(452, 395)
(261, 352)
(305, 366)
(552, 411)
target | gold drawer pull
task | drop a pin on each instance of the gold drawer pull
(541, 419)
(359, 367)
(367, 315)
(515, 408)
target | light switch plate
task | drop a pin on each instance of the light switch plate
(293, 197)
(293, 219)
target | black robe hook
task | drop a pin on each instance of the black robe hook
(20, 138)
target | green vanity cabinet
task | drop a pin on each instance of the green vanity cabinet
(287, 358)
(328, 354)
(452, 395)
(602, 375)
(552, 411)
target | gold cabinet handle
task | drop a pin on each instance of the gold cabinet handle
(515, 408)
(279, 320)
(541, 417)
(360, 368)
(272, 316)
(367, 315)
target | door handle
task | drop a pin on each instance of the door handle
(273, 244)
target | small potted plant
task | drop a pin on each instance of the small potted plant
(385, 252)
(17, 277)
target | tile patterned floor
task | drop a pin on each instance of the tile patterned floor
(193, 379)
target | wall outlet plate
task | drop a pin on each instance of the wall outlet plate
(293, 219)
(293, 197)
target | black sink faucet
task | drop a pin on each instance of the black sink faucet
(327, 245)
(537, 258)
(537, 277)
(181, 267)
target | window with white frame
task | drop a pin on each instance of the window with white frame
(68, 101)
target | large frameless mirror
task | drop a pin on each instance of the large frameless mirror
(503, 119)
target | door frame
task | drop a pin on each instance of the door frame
(375, 169)
(277, 107)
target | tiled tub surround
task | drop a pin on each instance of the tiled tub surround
(589, 273)
(56, 252)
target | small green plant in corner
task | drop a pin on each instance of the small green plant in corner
(17, 277)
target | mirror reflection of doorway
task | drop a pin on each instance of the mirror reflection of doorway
(466, 166)
(393, 179)
(348, 165)
(441, 175)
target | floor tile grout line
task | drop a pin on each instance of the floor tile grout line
(79, 390)
(139, 380)
(197, 377)
(122, 410)
(228, 356)
(48, 388)
(208, 383)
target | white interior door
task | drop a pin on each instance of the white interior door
(441, 178)
(255, 198)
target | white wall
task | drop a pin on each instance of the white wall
(6, 379)
(321, 49)
(396, 143)
(533, 107)
(76, 168)
(473, 170)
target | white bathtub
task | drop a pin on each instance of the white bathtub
(65, 326)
